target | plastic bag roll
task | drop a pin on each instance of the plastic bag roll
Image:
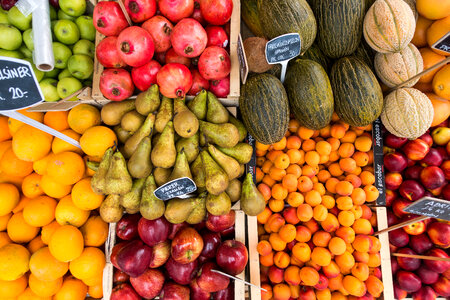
(42, 37)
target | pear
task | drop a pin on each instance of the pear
(164, 152)
(113, 112)
(198, 105)
(216, 112)
(252, 201)
(240, 126)
(185, 123)
(132, 199)
(223, 135)
(155, 138)
(164, 115)
(190, 146)
(178, 210)
(218, 205)
(98, 181)
(216, 179)
(202, 140)
(227, 163)
(162, 175)
(118, 180)
(92, 165)
(181, 168)
(242, 152)
(122, 134)
(234, 190)
(179, 105)
(242, 172)
(140, 164)
(198, 172)
(145, 130)
(110, 210)
(198, 214)
(148, 101)
(131, 121)
(151, 207)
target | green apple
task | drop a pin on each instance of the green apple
(73, 8)
(52, 26)
(67, 86)
(62, 54)
(27, 37)
(3, 18)
(80, 66)
(53, 13)
(67, 32)
(25, 51)
(10, 37)
(11, 53)
(52, 74)
(49, 90)
(86, 27)
(16, 18)
(64, 73)
(441, 135)
(84, 47)
(39, 74)
(63, 16)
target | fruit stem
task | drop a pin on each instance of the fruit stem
(115, 92)
(125, 47)
(100, 23)
(179, 93)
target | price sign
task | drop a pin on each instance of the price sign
(377, 137)
(282, 49)
(175, 189)
(431, 207)
(242, 60)
(443, 44)
(250, 167)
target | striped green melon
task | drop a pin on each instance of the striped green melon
(395, 68)
(309, 92)
(314, 53)
(250, 16)
(264, 108)
(339, 26)
(407, 113)
(365, 53)
(358, 99)
(288, 16)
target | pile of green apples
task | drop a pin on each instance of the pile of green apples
(73, 35)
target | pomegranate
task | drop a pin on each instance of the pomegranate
(214, 63)
(108, 18)
(174, 80)
(175, 10)
(116, 84)
(198, 83)
(140, 10)
(160, 29)
(144, 76)
(173, 57)
(216, 12)
(216, 36)
(107, 54)
(197, 14)
(160, 57)
(135, 46)
(189, 38)
(221, 87)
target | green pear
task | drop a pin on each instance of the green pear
(198, 173)
(145, 130)
(98, 181)
(118, 180)
(234, 190)
(151, 207)
(132, 121)
(162, 175)
(164, 115)
(132, 199)
(240, 126)
(242, 152)
(198, 105)
(181, 167)
(190, 146)
(216, 112)
(148, 101)
(122, 134)
(223, 135)
(178, 210)
(216, 179)
(252, 201)
(139, 164)
(110, 209)
(185, 123)
(179, 105)
(198, 214)
(113, 111)
(228, 164)
(164, 152)
(218, 205)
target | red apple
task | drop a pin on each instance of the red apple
(427, 276)
(442, 287)
(393, 141)
(432, 177)
(413, 172)
(399, 293)
(225, 294)
(153, 232)
(116, 249)
(120, 276)
(433, 158)
(393, 180)
(322, 284)
(406, 263)
(425, 293)
(395, 162)
(411, 190)
(127, 227)
(439, 233)
(134, 258)
(446, 192)
(187, 245)
(181, 273)
(220, 223)
(228, 233)
(415, 228)
(160, 254)
(408, 281)
(174, 228)
(391, 218)
(443, 152)
(232, 257)
(445, 166)
(124, 291)
(211, 242)
(211, 281)
(149, 284)
(390, 197)
(426, 137)
(420, 243)
(398, 205)
(394, 266)
(197, 293)
(416, 149)
(435, 265)
(398, 237)
(174, 291)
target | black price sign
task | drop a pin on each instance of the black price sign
(430, 207)
(377, 136)
(19, 87)
(282, 49)
(175, 188)
(250, 167)
(443, 44)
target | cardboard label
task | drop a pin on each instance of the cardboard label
(377, 136)
(250, 167)
(19, 87)
(282, 49)
(443, 44)
(242, 60)
(175, 188)
(431, 207)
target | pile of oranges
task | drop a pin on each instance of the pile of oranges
(50, 230)
(315, 232)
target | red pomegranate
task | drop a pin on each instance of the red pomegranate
(140, 10)
(135, 46)
(189, 38)
(214, 63)
(108, 18)
(197, 14)
(174, 80)
(198, 83)
(160, 57)
(107, 54)
(173, 57)
(160, 29)
(116, 84)
(221, 87)
(144, 76)
(175, 10)
(216, 12)
(216, 36)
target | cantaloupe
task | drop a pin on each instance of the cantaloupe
(389, 25)
(407, 113)
(395, 68)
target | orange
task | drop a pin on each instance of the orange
(84, 197)
(14, 125)
(59, 145)
(45, 267)
(31, 144)
(82, 117)
(436, 31)
(29, 295)
(22, 202)
(433, 9)
(430, 58)
(54, 189)
(39, 211)
(441, 108)
(71, 289)
(441, 83)
(19, 231)
(11, 165)
(96, 291)
(44, 288)
(4, 130)
(95, 231)
(309, 276)
(13, 262)
(96, 140)
(56, 120)
(31, 186)
(4, 239)
(420, 35)
(40, 166)
(89, 264)
(66, 243)
(35, 244)
(9, 196)
(66, 168)
(48, 230)
(13, 288)
(5, 145)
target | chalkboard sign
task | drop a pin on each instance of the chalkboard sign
(443, 44)
(19, 87)
(282, 49)
(250, 167)
(431, 207)
(377, 136)
(175, 188)
(242, 60)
